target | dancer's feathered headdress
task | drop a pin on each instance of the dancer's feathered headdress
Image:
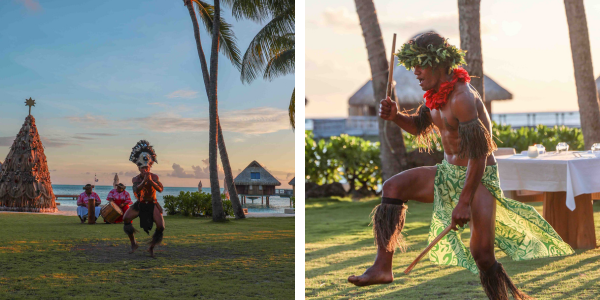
(141, 147)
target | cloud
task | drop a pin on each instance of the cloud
(78, 137)
(258, 120)
(89, 120)
(251, 121)
(56, 142)
(187, 94)
(344, 20)
(99, 134)
(31, 5)
(6, 141)
(198, 172)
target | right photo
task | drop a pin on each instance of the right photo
(452, 149)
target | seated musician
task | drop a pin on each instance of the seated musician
(82, 203)
(121, 198)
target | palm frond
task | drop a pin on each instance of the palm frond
(228, 46)
(292, 110)
(258, 10)
(280, 64)
(267, 42)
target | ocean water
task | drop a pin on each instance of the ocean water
(276, 203)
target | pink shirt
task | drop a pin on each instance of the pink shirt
(83, 199)
(119, 198)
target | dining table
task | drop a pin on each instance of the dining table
(567, 179)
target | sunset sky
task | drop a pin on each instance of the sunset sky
(525, 49)
(106, 74)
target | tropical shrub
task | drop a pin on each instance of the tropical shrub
(356, 161)
(193, 204)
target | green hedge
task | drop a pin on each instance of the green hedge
(357, 160)
(194, 204)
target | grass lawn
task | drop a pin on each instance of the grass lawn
(339, 243)
(55, 257)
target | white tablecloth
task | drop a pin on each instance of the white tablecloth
(551, 172)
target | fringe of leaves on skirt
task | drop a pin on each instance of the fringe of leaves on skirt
(497, 284)
(388, 221)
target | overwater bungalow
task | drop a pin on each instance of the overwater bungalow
(255, 182)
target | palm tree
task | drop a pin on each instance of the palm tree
(272, 50)
(208, 13)
(587, 96)
(393, 155)
(470, 40)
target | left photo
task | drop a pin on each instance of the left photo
(147, 149)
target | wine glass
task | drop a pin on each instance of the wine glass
(541, 148)
(560, 147)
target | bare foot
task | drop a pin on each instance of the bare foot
(373, 275)
(151, 250)
(133, 248)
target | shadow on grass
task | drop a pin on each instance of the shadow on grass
(337, 230)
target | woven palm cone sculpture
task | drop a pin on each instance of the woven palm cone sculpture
(25, 180)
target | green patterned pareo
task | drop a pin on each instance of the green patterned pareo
(520, 230)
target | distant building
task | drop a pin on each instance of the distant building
(255, 181)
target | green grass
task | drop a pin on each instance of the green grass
(339, 243)
(55, 257)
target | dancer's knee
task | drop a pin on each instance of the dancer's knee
(393, 188)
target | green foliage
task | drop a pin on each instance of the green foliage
(342, 157)
(524, 137)
(411, 55)
(293, 201)
(194, 204)
(520, 139)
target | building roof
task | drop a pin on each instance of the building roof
(410, 93)
(292, 182)
(265, 177)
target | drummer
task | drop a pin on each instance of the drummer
(82, 202)
(121, 198)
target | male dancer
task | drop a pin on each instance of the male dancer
(146, 207)
(463, 188)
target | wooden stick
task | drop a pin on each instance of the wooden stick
(437, 239)
(388, 92)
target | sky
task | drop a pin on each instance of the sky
(106, 74)
(525, 48)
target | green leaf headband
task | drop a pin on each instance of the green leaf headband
(411, 55)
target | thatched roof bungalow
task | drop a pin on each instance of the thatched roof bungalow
(409, 93)
(256, 180)
(293, 184)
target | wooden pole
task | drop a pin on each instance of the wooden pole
(388, 92)
(92, 211)
(437, 239)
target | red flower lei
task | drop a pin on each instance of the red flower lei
(437, 100)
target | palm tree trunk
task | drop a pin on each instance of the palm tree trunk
(587, 95)
(233, 195)
(470, 40)
(235, 200)
(393, 154)
(218, 213)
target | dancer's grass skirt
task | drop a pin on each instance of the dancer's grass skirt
(520, 230)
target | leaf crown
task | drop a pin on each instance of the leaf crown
(411, 55)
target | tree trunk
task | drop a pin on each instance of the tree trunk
(470, 40)
(587, 95)
(217, 204)
(235, 200)
(393, 152)
(233, 195)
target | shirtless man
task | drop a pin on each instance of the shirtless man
(145, 186)
(455, 111)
